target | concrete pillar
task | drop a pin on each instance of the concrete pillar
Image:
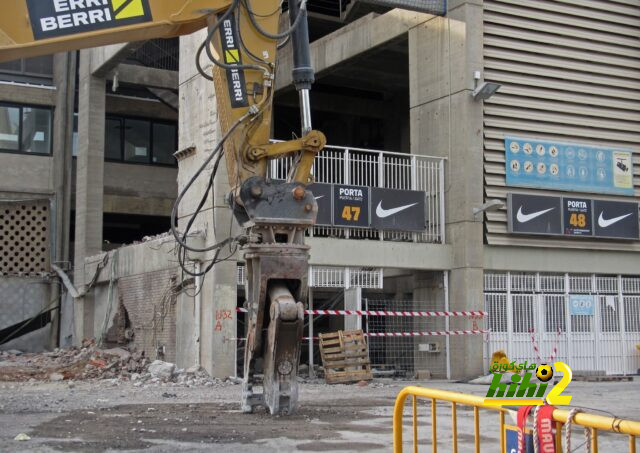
(64, 75)
(428, 295)
(89, 184)
(446, 121)
(199, 128)
(353, 301)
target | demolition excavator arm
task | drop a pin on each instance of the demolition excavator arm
(242, 43)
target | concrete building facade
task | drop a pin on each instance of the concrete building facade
(391, 80)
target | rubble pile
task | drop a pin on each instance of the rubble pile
(164, 372)
(91, 362)
(88, 362)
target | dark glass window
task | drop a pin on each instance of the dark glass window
(11, 66)
(39, 65)
(74, 140)
(30, 70)
(25, 129)
(9, 128)
(36, 130)
(137, 141)
(140, 141)
(164, 143)
(113, 139)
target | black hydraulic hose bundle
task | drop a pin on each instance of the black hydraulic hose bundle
(264, 66)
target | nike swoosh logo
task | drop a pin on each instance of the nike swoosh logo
(321, 196)
(384, 213)
(604, 223)
(524, 218)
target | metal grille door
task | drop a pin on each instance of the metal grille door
(531, 318)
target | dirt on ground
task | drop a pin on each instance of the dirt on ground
(190, 413)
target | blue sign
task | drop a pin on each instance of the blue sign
(512, 440)
(582, 304)
(565, 166)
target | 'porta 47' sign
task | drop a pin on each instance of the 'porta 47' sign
(54, 18)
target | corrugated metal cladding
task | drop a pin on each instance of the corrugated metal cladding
(570, 71)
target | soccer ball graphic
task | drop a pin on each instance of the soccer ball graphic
(544, 372)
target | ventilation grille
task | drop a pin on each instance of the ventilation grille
(24, 238)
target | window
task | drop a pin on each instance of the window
(9, 128)
(38, 70)
(74, 139)
(36, 130)
(140, 141)
(164, 143)
(113, 140)
(137, 141)
(25, 129)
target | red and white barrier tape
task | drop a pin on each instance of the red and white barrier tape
(535, 345)
(445, 333)
(536, 349)
(391, 313)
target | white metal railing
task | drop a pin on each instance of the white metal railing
(335, 277)
(373, 168)
(631, 285)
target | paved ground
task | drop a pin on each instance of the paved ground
(117, 416)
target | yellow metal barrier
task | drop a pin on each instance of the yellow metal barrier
(594, 422)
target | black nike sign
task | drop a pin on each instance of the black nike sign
(616, 219)
(534, 214)
(323, 194)
(402, 210)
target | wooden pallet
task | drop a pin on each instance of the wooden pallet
(345, 357)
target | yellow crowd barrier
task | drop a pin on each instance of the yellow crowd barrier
(594, 422)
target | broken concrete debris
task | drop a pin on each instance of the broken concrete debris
(162, 370)
(91, 362)
(22, 437)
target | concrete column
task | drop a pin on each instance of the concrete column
(89, 184)
(428, 295)
(64, 75)
(199, 128)
(353, 301)
(446, 121)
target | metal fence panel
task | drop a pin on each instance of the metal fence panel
(525, 313)
(406, 355)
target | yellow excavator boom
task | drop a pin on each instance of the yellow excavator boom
(30, 28)
(242, 44)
